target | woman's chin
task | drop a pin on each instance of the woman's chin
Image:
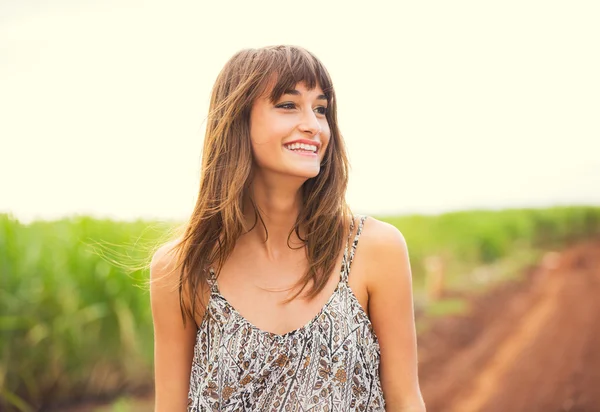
(307, 173)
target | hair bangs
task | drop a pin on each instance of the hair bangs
(291, 66)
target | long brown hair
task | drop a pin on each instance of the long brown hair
(217, 220)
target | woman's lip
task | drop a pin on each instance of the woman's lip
(306, 141)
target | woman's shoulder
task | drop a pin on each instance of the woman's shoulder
(164, 277)
(166, 280)
(378, 233)
(164, 263)
(383, 250)
(164, 256)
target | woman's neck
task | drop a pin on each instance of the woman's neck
(279, 208)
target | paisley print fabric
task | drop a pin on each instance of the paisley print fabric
(330, 364)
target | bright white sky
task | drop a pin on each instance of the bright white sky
(443, 105)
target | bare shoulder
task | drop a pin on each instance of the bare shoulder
(379, 233)
(163, 268)
(165, 275)
(165, 280)
(382, 240)
(162, 257)
(385, 253)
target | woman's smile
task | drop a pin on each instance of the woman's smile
(302, 152)
(303, 148)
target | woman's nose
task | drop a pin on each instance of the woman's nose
(310, 123)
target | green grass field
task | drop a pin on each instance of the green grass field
(75, 324)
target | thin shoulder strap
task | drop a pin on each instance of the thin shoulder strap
(348, 258)
(212, 280)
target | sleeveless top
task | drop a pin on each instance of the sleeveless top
(329, 364)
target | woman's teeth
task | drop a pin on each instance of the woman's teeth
(302, 147)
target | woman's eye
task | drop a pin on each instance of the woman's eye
(290, 106)
(286, 106)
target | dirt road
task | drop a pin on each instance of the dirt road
(529, 346)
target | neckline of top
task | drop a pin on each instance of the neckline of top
(343, 280)
(278, 336)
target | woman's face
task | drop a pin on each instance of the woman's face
(297, 118)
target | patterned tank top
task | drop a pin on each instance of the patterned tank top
(329, 364)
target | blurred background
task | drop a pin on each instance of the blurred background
(473, 127)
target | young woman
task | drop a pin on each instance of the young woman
(255, 307)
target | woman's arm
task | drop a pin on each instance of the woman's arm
(173, 343)
(391, 312)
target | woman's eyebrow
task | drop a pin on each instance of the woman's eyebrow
(297, 93)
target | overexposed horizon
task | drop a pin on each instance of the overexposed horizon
(468, 105)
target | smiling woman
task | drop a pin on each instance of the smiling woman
(254, 307)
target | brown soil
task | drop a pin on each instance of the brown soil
(526, 346)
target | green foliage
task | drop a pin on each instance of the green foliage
(470, 238)
(74, 308)
(75, 317)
